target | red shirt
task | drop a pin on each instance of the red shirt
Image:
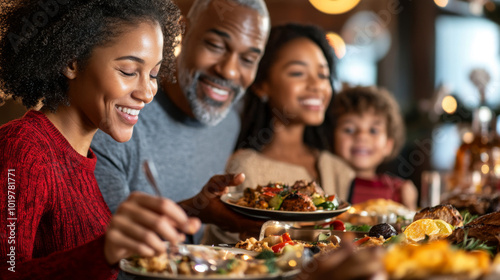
(53, 215)
(384, 186)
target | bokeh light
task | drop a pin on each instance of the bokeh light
(334, 7)
(468, 137)
(449, 104)
(497, 169)
(485, 169)
(337, 44)
(441, 3)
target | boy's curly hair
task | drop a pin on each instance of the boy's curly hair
(39, 38)
(362, 99)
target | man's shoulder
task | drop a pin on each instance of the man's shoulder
(232, 119)
(102, 141)
(104, 146)
(229, 127)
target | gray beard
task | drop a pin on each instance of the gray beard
(206, 110)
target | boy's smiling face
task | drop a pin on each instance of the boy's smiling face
(362, 141)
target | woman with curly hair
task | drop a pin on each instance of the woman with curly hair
(92, 65)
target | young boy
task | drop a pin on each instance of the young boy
(369, 130)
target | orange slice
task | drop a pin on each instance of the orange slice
(417, 230)
(445, 229)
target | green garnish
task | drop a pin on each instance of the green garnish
(394, 239)
(471, 244)
(467, 216)
(323, 237)
(327, 205)
(270, 260)
(265, 255)
(276, 202)
(362, 228)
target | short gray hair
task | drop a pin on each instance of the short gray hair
(200, 5)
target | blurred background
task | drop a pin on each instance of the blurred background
(440, 58)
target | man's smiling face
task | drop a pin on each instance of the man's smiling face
(219, 59)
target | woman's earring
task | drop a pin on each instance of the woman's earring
(264, 98)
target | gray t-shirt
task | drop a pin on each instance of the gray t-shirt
(186, 153)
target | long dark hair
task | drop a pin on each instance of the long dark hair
(257, 117)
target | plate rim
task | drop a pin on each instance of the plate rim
(272, 214)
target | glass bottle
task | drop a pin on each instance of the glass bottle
(495, 154)
(474, 169)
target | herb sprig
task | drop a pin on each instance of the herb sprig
(471, 244)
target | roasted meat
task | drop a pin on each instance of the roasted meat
(306, 188)
(486, 233)
(485, 228)
(446, 212)
(298, 202)
(488, 219)
(301, 196)
(476, 204)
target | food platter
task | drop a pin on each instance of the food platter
(293, 216)
(138, 273)
(127, 267)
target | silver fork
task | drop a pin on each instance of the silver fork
(200, 265)
(149, 170)
(151, 174)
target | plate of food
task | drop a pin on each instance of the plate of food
(376, 211)
(205, 262)
(301, 201)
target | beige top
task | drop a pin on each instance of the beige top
(335, 178)
(335, 175)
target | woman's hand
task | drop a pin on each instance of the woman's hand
(141, 222)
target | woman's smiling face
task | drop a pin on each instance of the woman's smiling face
(299, 82)
(118, 80)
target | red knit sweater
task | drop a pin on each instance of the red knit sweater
(384, 186)
(52, 216)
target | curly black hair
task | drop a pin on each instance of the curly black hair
(257, 117)
(39, 38)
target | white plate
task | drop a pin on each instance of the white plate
(280, 215)
(127, 267)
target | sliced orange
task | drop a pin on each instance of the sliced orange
(417, 230)
(445, 229)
